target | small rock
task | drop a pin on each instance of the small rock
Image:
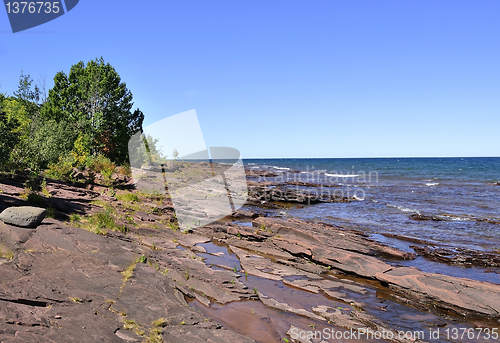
(58, 317)
(23, 216)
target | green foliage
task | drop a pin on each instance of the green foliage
(44, 189)
(63, 169)
(37, 142)
(25, 90)
(94, 95)
(130, 220)
(51, 212)
(99, 222)
(8, 136)
(173, 226)
(102, 220)
(74, 217)
(107, 172)
(88, 113)
(122, 229)
(100, 164)
(82, 149)
(33, 198)
(45, 143)
(131, 197)
(65, 166)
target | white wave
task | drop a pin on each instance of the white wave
(280, 168)
(404, 209)
(458, 219)
(341, 175)
(454, 218)
(432, 184)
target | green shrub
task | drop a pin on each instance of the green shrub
(130, 220)
(42, 142)
(173, 226)
(102, 220)
(124, 170)
(35, 199)
(44, 189)
(63, 169)
(100, 164)
(82, 148)
(122, 228)
(107, 173)
(51, 212)
(74, 217)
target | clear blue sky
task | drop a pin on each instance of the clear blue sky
(277, 78)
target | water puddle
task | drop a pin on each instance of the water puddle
(219, 255)
(243, 223)
(474, 273)
(393, 242)
(263, 324)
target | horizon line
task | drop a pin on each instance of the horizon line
(274, 158)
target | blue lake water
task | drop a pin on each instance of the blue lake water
(461, 191)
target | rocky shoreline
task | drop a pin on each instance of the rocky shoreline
(249, 277)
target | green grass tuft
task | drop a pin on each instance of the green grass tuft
(130, 197)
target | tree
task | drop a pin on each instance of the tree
(8, 137)
(94, 96)
(47, 141)
(24, 90)
(35, 142)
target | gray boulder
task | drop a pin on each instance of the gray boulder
(23, 216)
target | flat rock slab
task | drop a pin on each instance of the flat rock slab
(66, 285)
(457, 294)
(272, 303)
(23, 216)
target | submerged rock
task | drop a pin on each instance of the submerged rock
(23, 216)
(418, 216)
(459, 256)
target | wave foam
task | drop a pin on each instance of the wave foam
(341, 175)
(404, 209)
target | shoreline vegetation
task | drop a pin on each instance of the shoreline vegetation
(109, 263)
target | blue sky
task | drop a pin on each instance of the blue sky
(291, 78)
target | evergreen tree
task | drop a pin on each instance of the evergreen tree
(94, 97)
